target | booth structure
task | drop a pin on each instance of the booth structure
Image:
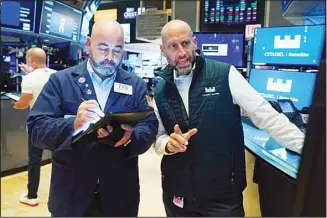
(286, 61)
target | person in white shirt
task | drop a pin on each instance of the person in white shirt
(200, 133)
(37, 75)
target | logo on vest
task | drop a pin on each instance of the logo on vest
(209, 91)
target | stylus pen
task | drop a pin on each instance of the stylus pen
(82, 99)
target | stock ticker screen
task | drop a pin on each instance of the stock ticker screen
(230, 12)
(18, 15)
(60, 20)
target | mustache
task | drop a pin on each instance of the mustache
(106, 63)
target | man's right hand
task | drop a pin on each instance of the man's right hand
(88, 112)
(178, 141)
(25, 68)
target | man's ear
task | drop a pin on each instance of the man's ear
(194, 40)
(88, 43)
(162, 48)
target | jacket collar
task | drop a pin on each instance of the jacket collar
(83, 80)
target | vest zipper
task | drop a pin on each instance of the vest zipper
(232, 174)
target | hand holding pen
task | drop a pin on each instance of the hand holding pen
(88, 112)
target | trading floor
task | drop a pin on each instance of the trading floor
(150, 205)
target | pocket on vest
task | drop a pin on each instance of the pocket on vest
(176, 183)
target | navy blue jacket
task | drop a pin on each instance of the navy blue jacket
(75, 169)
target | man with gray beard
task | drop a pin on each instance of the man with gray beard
(200, 132)
(72, 100)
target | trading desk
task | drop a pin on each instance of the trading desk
(275, 171)
(14, 138)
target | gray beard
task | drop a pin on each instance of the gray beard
(184, 71)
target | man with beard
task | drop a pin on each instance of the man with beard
(200, 132)
(71, 100)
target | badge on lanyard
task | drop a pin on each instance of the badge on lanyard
(123, 88)
(178, 201)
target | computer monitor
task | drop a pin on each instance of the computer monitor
(223, 47)
(85, 30)
(275, 84)
(127, 32)
(230, 14)
(292, 45)
(60, 20)
(18, 15)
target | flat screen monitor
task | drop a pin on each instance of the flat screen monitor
(223, 47)
(85, 30)
(127, 32)
(18, 15)
(217, 14)
(275, 84)
(293, 45)
(60, 20)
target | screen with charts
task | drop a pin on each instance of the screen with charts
(18, 15)
(223, 47)
(294, 45)
(275, 84)
(60, 20)
(230, 12)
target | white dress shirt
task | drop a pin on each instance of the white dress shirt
(251, 102)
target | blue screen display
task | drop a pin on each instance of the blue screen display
(18, 15)
(295, 45)
(274, 85)
(60, 20)
(226, 48)
(286, 107)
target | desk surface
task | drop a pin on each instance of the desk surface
(260, 143)
(10, 95)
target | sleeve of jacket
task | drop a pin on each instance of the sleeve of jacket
(47, 127)
(145, 131)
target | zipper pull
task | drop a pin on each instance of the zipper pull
(232, 179)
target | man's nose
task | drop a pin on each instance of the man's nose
(109, 54)
(181, 53)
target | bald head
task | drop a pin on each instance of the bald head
(173, 28)
(37, 56)
(107, 28)
(106, 47)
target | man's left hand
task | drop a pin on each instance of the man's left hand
(125, 140)
(13, 103)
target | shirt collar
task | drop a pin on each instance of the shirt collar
(41, 69)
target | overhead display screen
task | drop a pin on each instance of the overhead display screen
(230, 12)
(60, 20)
(18, 15)
(294, 45)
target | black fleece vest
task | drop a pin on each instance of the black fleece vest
(213, 165)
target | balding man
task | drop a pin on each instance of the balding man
(59, 114)
(32, 84)
(200, 132)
